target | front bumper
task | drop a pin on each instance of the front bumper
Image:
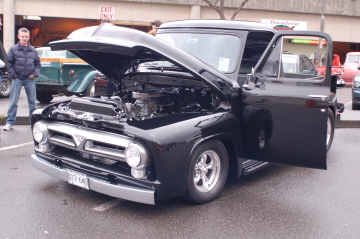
(140, 195)
(356, 96)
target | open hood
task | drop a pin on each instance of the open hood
(113, 50)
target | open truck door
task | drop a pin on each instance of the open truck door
(299, 124)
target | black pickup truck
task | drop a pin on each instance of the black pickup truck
(199, 102)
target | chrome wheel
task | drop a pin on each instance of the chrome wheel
(330, 126)
(92, 90)
(262, 138)
(328, 131)
(5, 86)
(207, 171)
(209, 166)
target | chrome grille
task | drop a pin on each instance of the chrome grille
(87, 141)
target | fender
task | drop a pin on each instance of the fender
(171, 151)
(232, 140)
(82, 81)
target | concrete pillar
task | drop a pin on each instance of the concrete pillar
(8, 23)
(195, 12)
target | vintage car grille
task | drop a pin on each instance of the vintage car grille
(87, 143)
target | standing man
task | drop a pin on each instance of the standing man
(24, 67)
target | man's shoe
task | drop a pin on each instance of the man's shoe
(7, 127)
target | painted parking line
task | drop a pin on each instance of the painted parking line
(15, 146)
(107, 205)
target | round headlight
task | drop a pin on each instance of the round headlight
(40, 132)
(356, 83)
(135, 155)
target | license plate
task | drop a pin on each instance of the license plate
(78, 179)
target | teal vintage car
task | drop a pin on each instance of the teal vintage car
(63, 73)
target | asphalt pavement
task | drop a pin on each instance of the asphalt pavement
(277, 202)
(349, 118)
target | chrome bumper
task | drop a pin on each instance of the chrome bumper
(125, 192)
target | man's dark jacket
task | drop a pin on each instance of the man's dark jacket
(23, 63)
(3, 57)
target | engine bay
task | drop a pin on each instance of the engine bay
(141, 100)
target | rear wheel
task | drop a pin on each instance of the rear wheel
(5, 86)
(90, 89)
(330, 129)
(43, 97)
(208, 172)
(263, 138)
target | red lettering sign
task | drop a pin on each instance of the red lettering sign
(106, 12)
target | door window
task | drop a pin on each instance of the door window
(295, 58)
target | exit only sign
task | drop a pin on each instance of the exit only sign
(107, 13)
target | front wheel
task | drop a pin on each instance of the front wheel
(5, 86)
(330, 129)
(208, 172)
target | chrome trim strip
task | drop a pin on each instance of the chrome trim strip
(140, 195)
(105, 151)
(61, 140)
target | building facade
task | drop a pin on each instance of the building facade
(55, 19)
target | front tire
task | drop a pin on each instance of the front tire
(5, 86)
(355, 107)
(43, 97)
(330, 129)
(208, 172)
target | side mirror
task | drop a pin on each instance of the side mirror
(251, 76)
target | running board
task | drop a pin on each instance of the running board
(251, 165)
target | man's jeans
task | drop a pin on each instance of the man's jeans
(30, 89)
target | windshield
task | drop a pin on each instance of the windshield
(353, 59)
(219, 51)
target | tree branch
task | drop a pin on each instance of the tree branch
(238, 10)
(222, 15)
(220, 10)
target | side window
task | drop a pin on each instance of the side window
(256, 43)
(271, 65)
(296, 57)
(303, 57)
(310, 66)
(352, 59)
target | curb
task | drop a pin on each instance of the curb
(24, 120)
(347, 124)
(20, 120)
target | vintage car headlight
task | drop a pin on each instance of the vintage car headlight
(357, 81)
(135, 155)
(40, 132)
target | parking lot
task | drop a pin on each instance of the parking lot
(276, 202)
